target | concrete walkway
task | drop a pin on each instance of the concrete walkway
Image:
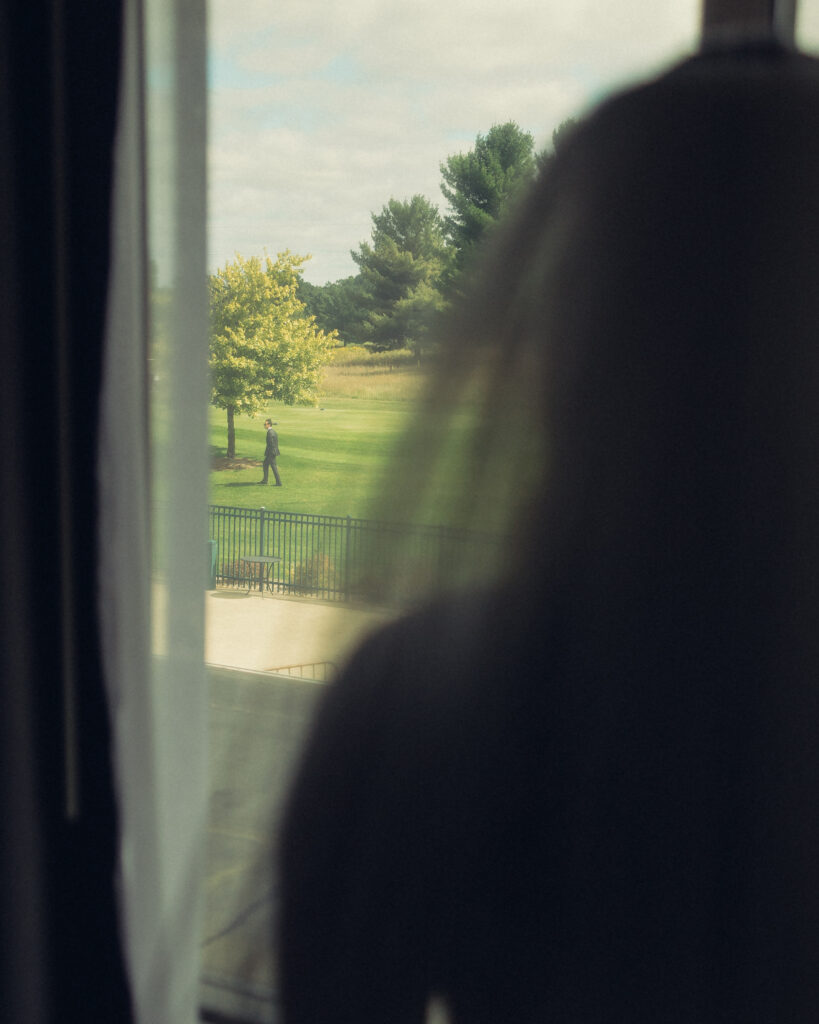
(256, 728)
(266, 632)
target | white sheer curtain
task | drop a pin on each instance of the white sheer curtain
(153, 490)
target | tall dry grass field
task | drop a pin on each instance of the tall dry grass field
(355, 372)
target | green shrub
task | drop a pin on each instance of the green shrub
(316, 572)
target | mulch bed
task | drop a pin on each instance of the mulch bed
(222, 462)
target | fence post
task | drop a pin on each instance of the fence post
(261, 548)
(348, 534)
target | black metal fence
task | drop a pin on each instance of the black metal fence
(335, 558)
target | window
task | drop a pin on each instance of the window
(318, 116)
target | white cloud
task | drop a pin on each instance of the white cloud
(321, 112)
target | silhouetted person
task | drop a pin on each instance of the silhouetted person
(271, 453)
(591, 793)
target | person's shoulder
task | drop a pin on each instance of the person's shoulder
(434, 631)
(450, 650)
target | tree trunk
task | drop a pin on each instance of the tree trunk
(231, 446)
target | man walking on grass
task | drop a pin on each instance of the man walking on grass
(271, 451)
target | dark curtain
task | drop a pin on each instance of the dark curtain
(59, 68)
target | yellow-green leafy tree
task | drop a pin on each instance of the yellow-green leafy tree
(264, 346)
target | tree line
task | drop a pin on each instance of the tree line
(272, 331)
(408, 269)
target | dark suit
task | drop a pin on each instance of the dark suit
(270, 454)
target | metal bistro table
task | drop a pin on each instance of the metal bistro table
(266, 563)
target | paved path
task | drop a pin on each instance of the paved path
(259, 632)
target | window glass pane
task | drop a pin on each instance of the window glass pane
(319, 116)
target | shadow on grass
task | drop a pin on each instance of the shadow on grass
(243, 483)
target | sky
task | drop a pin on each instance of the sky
(320, 112)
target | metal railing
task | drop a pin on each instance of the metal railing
(334, 558)
(318, 671)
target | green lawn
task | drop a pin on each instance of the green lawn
(331, 461)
